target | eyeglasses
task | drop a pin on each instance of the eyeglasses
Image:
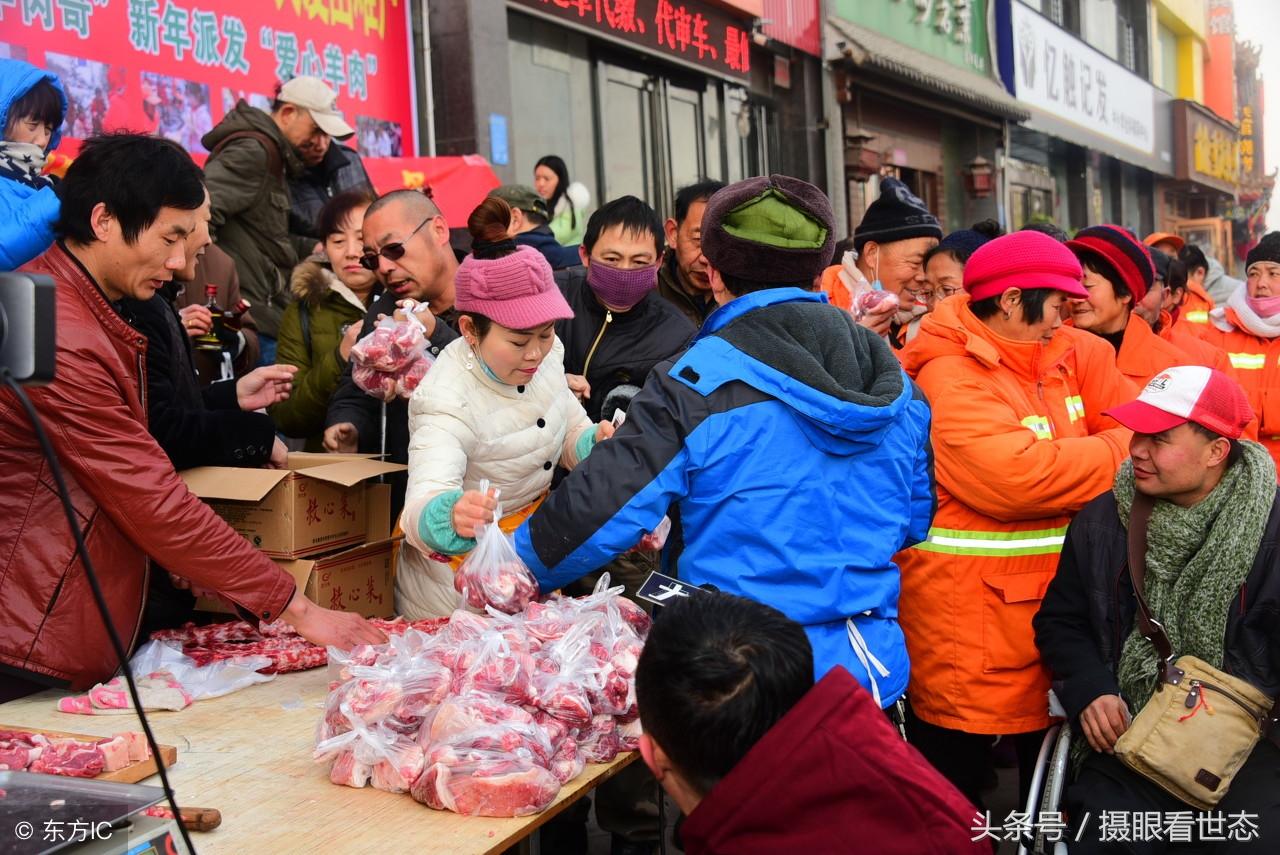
(392, 251)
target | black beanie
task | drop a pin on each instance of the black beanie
(1267, 249)
(898, 214)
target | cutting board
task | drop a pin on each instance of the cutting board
(131, 774)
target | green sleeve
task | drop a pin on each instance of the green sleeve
(585, 443)
(435, 526)
(234, 178)
(302, 413)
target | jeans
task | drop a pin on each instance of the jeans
(267, 350)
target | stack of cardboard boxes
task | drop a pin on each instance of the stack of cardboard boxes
(325, 520)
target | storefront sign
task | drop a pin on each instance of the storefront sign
(951, 30)
(1066, 78)
(1207, 149)
(696, 33)
(1247, 162)
(175, 67)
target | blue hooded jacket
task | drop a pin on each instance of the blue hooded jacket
(27, 227)
(795, 452)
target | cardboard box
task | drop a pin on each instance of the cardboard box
(358, 580)
(316, 505)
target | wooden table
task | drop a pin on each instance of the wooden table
(248, 754)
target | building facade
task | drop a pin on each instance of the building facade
(1099, 137)
(917, 98)
(638, 98)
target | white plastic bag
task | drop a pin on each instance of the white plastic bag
(493, 574)
(201, 682)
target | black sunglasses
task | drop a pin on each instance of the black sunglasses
(392, 251)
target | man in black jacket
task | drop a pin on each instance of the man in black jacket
(1211, 578)
(216, 426)
(329, 168)
(406, 241)
(212, 426)
(620, 327)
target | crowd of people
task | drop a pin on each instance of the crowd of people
(901, 464)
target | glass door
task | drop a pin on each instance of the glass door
(628, 162)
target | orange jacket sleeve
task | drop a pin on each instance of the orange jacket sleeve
(1102, 386)
(988, 460)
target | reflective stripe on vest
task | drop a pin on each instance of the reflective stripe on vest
(995, 543)
(1248, 361)
(1040, 426)
(1196, 317)
(1075, 408)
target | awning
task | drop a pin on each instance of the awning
(458, 183)
(868, 49)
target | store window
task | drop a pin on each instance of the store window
(1166, 71)
(1029, 205)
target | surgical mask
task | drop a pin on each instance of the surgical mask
(1265, 307)
(488, 372)
(619, 288)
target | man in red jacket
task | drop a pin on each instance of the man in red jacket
(128, 202)
(761, 760)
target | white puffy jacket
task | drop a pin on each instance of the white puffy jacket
(465, 426)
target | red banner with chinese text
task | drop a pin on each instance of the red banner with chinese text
(175, 67)
(692, 32)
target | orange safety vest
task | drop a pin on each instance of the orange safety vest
(1255, 364)
(1020, 445)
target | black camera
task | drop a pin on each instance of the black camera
(28, 323)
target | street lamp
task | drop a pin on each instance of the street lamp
(979, 178)
(860, 159)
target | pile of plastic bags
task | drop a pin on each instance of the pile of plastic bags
(493, 713)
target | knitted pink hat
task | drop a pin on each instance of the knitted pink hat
(516, 291)
(1027, 260)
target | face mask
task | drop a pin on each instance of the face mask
(488, 372)
(620, 288)
(1265, 307)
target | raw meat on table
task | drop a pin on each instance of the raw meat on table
(493, 786)
(71, 758)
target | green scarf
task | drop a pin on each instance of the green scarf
(1197, 559)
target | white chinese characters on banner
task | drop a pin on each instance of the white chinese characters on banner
(1061, 75)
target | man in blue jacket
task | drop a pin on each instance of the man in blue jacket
(787, 439)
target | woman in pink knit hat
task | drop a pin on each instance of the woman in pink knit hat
(494, 407)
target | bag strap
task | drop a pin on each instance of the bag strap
(275, 166)
(1148, 626)
(1139, 517)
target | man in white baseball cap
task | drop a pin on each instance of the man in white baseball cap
(252, 157)
(315, 96)
(1211, 577)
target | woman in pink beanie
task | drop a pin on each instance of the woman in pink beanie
(494, 407)
(1020, 445)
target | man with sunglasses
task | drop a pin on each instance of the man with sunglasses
(406, 241)
(253, 154)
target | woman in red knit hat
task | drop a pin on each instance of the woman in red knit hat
(1020, 445)
(1118, 273)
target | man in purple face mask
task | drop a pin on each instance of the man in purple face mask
(621, 327)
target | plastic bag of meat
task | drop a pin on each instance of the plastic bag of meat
(566, 676)
(392, 360)
(379, 384)
(376, 755)
(493, 574)
(485, 783)
(497, 665)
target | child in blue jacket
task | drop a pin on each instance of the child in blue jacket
(32, 107)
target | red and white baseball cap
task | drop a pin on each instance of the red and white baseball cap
(1187, 393)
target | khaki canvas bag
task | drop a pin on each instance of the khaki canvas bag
(1201, 724)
